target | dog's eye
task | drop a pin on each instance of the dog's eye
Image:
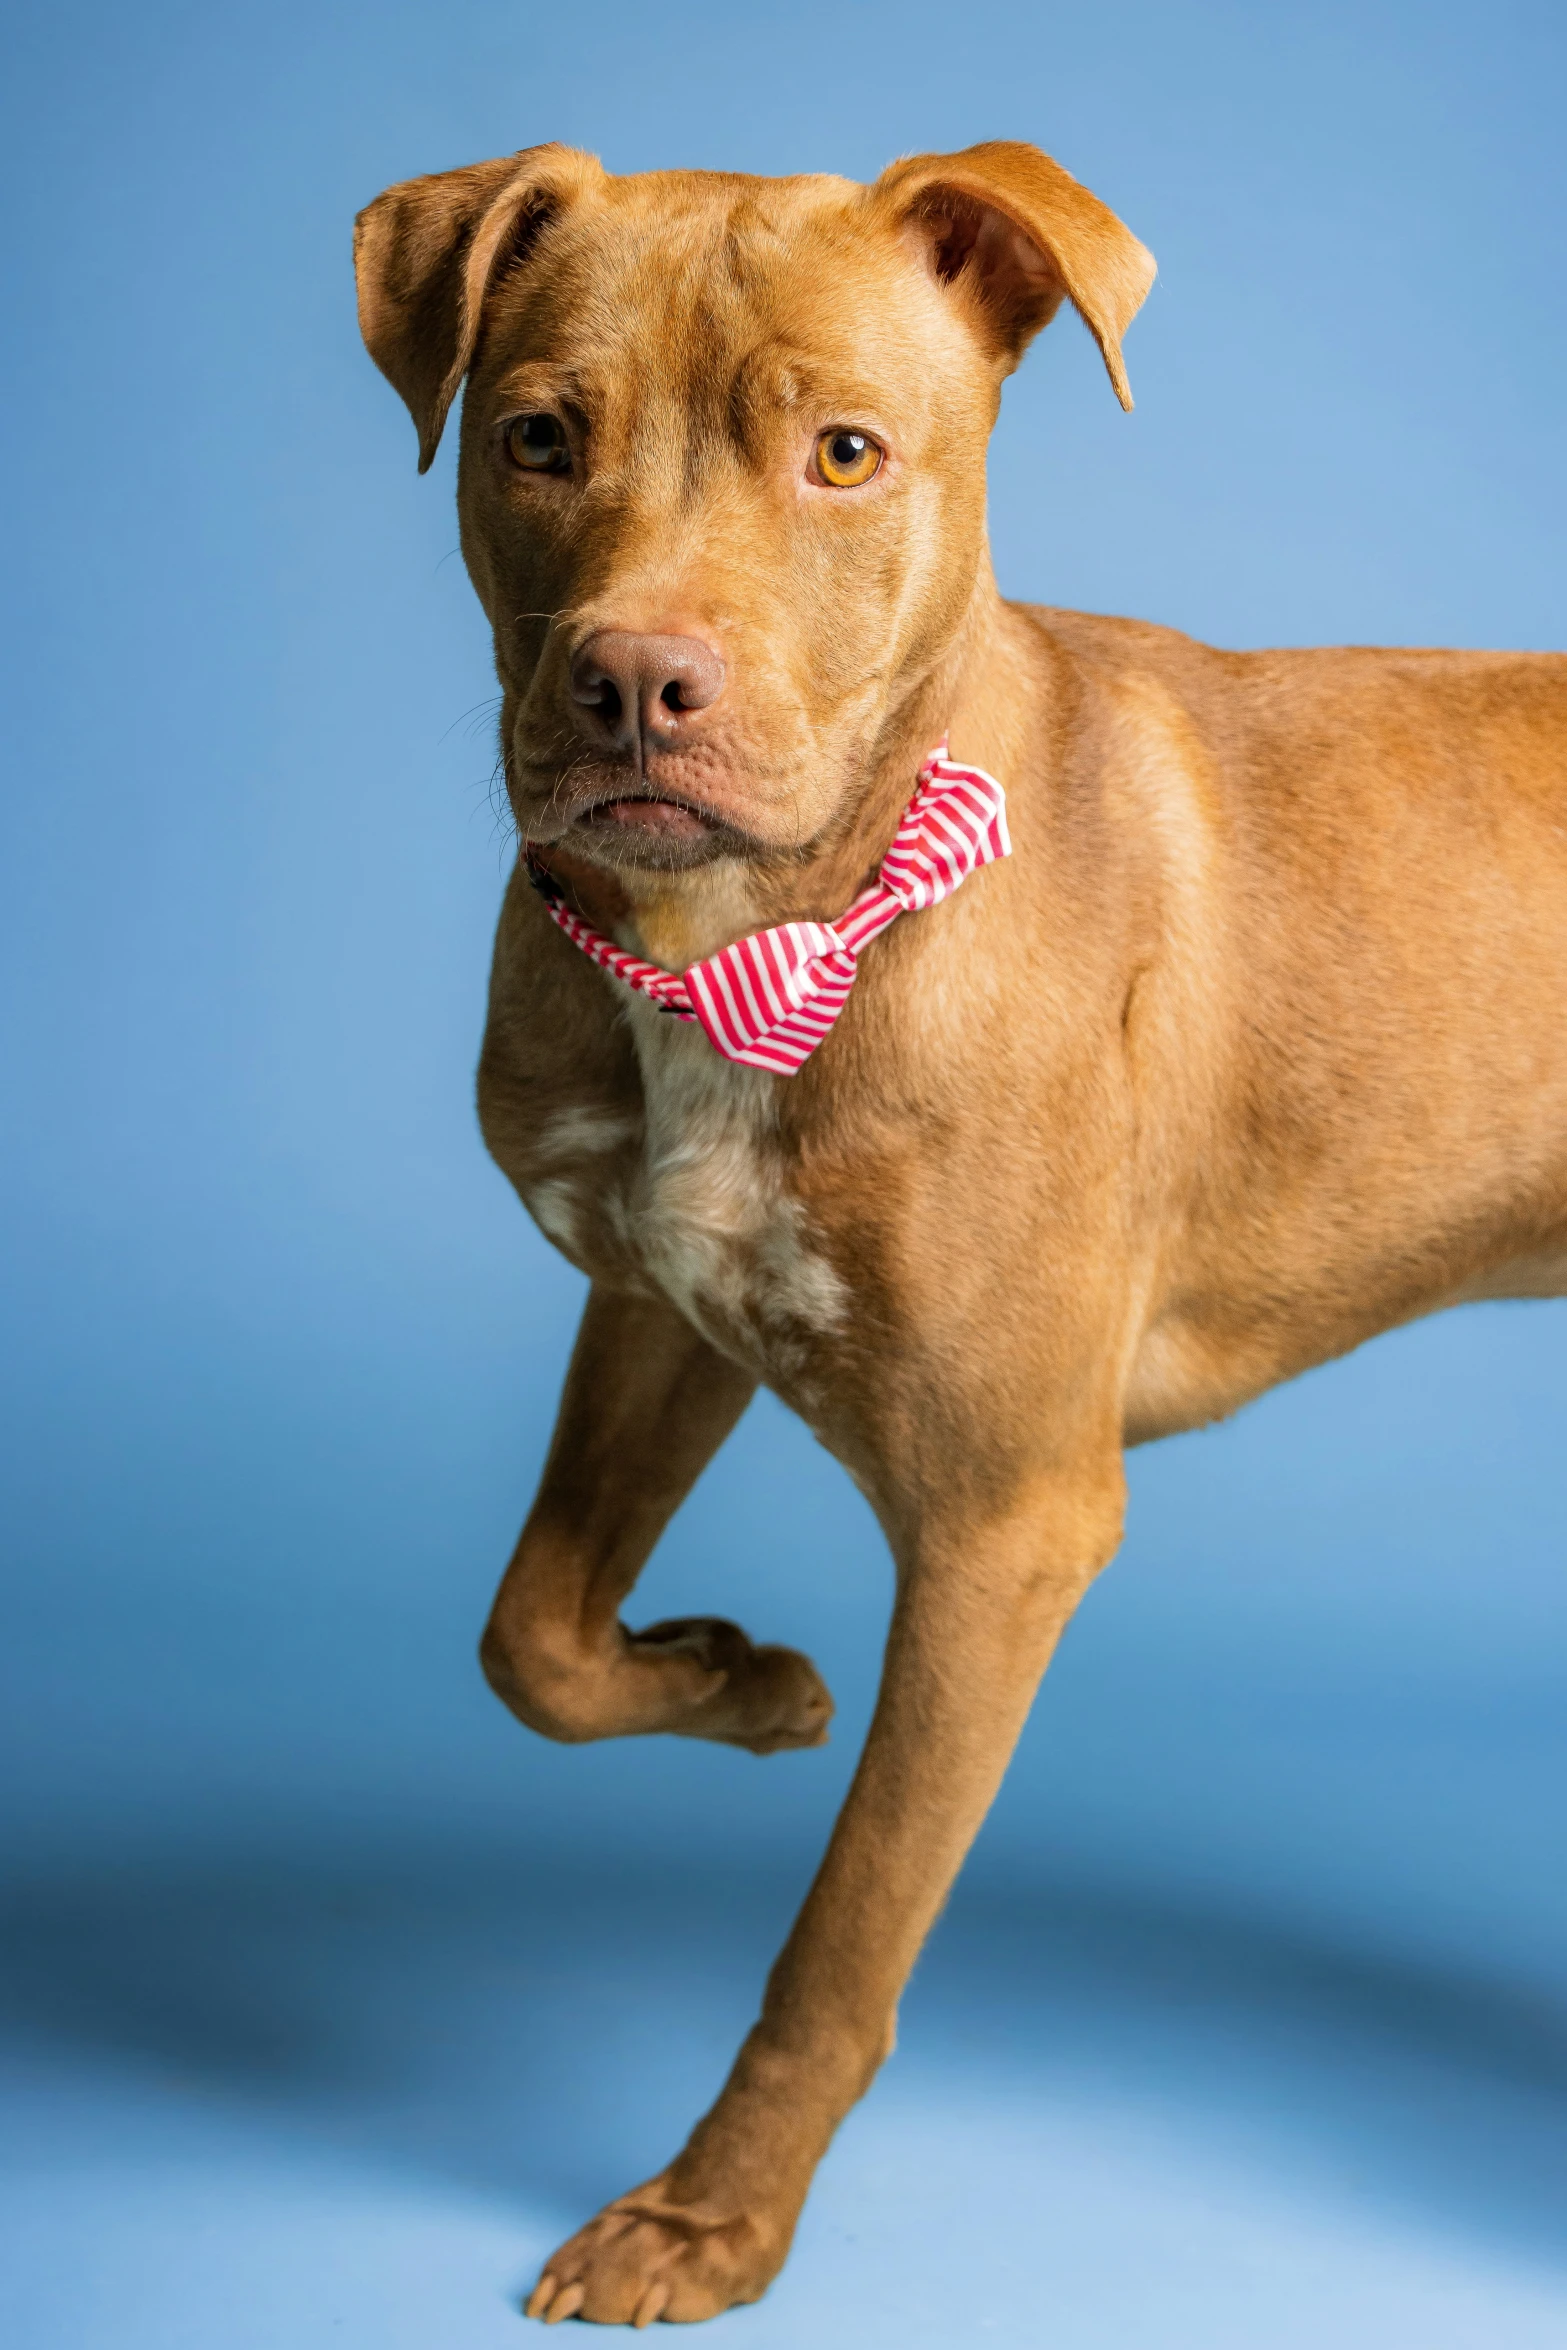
(538, 444)
(845, 459)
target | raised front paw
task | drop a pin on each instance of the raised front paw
(769, 1698)
(645, 2257)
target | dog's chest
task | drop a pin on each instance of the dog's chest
(699, 1205)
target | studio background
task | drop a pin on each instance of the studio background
(329, 1999)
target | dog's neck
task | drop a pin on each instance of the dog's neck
(677, 918)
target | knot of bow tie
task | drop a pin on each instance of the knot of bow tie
(769, 999)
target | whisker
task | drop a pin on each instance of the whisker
(492, 702)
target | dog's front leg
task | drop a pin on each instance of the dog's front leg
(646, 1405)
(984, 1593)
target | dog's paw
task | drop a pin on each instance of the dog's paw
(645, 2258)
(770, 1699)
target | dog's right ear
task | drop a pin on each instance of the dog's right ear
(427, 252)
(1013, 235)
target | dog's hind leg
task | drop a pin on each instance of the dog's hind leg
(646, 1405)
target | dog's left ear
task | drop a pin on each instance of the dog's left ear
(428, 252)
(1012, 233)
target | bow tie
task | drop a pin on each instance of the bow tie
(769, 999)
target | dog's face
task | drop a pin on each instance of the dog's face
(741, 417)
(722, 479)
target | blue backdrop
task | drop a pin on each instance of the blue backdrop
(329, 2000)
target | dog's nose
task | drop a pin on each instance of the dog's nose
(644, 686)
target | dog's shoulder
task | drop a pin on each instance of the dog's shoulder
(1110, 643)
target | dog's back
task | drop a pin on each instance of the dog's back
(1363, 862)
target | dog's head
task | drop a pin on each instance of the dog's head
(722, 475)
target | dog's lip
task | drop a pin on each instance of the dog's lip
(647, 811)
(625, 807)
(615, 809)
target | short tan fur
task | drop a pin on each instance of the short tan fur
(1255, 1047)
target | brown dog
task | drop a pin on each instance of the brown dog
(1254, 1047)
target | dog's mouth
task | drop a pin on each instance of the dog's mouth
(645, 816)
(646, 825)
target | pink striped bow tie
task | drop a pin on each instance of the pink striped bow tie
(769, 999)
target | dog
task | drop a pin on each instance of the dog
(1229, 1034)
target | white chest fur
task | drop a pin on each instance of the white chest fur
(703, 1209)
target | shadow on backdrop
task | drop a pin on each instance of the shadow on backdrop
(541, 2032)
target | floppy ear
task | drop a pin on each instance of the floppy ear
(426, 253)
(1012, 233)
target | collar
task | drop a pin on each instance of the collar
(769, 999)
